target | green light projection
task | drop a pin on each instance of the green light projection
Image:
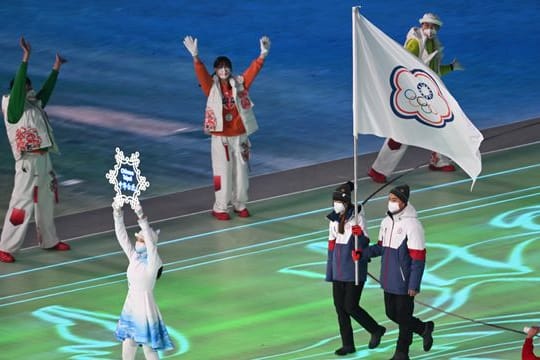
(82, 347)
(453, 289)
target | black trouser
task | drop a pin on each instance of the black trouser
(346, 300)
(399, 309)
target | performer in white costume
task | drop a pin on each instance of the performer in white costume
(423, 43)
(230, 120)
(35, 189)
(140, 322)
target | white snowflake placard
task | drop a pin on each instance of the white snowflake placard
(126, 179)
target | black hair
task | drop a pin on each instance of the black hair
(222, 60)
(159, 272)
(28, 82)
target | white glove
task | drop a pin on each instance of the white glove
(456, 65)
(265, 46)
(139, 211)
(117, 206)
(191, 44)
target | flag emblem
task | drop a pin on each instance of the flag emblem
(416, 95)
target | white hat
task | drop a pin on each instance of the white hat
(430, 18)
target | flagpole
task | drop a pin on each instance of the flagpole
(355, 141)
(355, 207)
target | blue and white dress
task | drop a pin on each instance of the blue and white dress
(140, 319)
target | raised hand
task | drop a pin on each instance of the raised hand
(265, 46)
(139, 211)
(59, 61)
(191, 45)
(117, 206)
(25, 45)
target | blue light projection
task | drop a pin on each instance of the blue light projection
(451, 282)
(526, 218)
(73, 326)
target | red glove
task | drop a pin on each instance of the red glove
(331, 244)
(357, 230)
(356, 254)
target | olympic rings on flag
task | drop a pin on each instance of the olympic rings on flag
(420, 100)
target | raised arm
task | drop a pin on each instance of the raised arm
(46, 90)
(18, 90)
(150, 239)
(257, 64)
(120, 229)
(203, 76)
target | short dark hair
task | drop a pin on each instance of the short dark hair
(222, 60)
(28, 82)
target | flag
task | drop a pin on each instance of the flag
(396, 96)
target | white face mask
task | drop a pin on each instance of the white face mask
(223, 73)
(339, 207)
(140, 247)
(430, 33)
(393, 207)
(31, 95)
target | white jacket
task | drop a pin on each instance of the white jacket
(214, 106)
(32, 131)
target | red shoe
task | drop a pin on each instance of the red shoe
(376, 176)
(6, 257)
(445, 168)
(221, 215)
(61, 246)
(243, 213)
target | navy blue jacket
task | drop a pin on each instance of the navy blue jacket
(340, 265)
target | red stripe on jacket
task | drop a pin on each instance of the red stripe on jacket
(418, 254)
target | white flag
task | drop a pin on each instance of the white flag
(395, 95)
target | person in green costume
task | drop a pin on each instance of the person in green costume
(31, 138)
(424, 44)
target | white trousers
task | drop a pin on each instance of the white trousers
(230, 166)
(34, 192)
(391, 153)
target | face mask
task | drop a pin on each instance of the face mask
(393, 207)
(339, 207)
(31, 95)
(140, 247)
(430, 33)
(223, 73)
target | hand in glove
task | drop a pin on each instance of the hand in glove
(357, 230)
(191, 44)
(139, 211)
(356, 255)
(331, 244)
(456, 65)
(265, 46)
(117, 206)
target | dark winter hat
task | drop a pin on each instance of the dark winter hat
(402, 192)
(222, 60)
(343, 192)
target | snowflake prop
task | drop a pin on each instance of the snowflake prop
(126, 179)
